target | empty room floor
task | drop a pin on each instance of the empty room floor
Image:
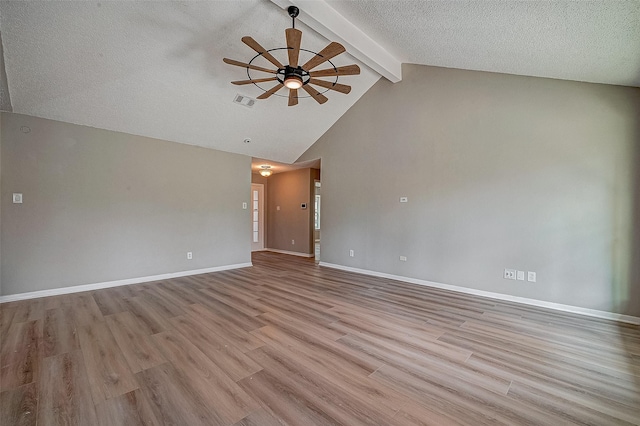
(289, 342)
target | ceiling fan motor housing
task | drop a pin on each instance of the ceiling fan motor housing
(294, 73)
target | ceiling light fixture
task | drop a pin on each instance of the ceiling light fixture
(293, 78)
(265, 171)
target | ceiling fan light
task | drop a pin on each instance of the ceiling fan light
(293, 82)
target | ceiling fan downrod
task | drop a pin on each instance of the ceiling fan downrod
(293, 12)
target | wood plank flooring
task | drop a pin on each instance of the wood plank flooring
(286, 342)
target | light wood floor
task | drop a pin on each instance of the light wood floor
(288, 342)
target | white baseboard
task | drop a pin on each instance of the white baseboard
(107, 284)
(292, 253)
(524, 300)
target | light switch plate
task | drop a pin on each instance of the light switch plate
(17, 198)
(531, 277)
(520, 275)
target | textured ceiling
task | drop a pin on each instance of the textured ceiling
(277, 167)
(155, 68)
(592, 41)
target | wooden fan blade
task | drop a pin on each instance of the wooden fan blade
(271, 91)
(333, 49)
(294, 37)
(342, 88)
(261, 50)
(243, 65)
(257, 80)
(293, 97)
(319, 97)
(332, 72)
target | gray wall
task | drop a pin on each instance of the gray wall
(1, 203)
(500, 171)
(101, 206)
(288, 190)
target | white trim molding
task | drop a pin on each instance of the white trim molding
(524, 300)
(107, 284)
(292, 253)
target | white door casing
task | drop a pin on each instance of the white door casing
(257, 216)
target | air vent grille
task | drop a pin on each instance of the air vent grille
(244, 100)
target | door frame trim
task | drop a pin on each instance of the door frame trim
(261, 219)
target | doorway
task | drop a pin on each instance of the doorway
(257, 217)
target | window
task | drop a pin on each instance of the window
(256, 235)
(316, 214)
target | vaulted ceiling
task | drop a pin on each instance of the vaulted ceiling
(155, 68)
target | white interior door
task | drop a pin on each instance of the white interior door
(257, 216)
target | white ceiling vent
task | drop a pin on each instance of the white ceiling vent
(244, 100)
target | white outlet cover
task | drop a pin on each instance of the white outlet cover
(520, 275)
(404, 199)
(351, 253)
(531, 277)
(17, 198)
(403, 258)
(509, 274)
(244, 205)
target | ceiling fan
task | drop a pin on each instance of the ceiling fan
(294, 76)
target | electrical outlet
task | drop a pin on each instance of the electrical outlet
(404, 199)
(293, 242)
(509, 274)
(403, 258)
(531, 277)
(244, 205)
(189, 255)
(17, 198)
(520, 275)
(350, 253)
